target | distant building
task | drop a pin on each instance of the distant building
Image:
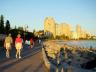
(49, 27)
(80, 32)
(74, 35)
(39, 33)
(59, 29)
(55, 29)
(52, 28)
(94, 37)
(66, 29)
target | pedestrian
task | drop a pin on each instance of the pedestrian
(18, 45)
(7, 44)
(39, 41)
(31, 43)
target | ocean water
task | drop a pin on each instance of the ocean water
(79, 43)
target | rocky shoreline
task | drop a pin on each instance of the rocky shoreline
(78, 58)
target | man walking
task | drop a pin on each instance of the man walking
(7, 45)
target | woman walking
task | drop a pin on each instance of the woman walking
(18, 45)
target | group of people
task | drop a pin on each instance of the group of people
(29, 42)
(18, 45)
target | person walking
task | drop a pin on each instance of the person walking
(7, 44)
(18, 45)
(31, 42)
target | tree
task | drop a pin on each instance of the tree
(20, 28)
(7, 27)
(1, 24)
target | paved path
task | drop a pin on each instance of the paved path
(31, 61)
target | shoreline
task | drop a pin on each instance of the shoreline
(79, 56)
(79, 43)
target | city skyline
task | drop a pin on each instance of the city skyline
(51, 28)
(33, 13)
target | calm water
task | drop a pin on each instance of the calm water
(80, 43)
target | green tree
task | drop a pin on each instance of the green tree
(1, 24)
(20, 28)
(7, 27)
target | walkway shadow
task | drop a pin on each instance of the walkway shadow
(26, 68)
(26, 53)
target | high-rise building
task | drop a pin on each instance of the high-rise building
(49, 26)
(55, 29)
(78, 30)
(66, 29)
(52, 28)
(59, 28)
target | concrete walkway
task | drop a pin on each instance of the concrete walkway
(31, 61)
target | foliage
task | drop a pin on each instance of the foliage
(61, 37)
(14, 32)
(1, 24)
(7, 26)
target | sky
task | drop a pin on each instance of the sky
(33, 13)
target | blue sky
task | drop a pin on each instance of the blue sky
(33, 12)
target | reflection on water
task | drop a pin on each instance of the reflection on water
(80, 43)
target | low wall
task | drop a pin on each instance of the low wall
(47, 63)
